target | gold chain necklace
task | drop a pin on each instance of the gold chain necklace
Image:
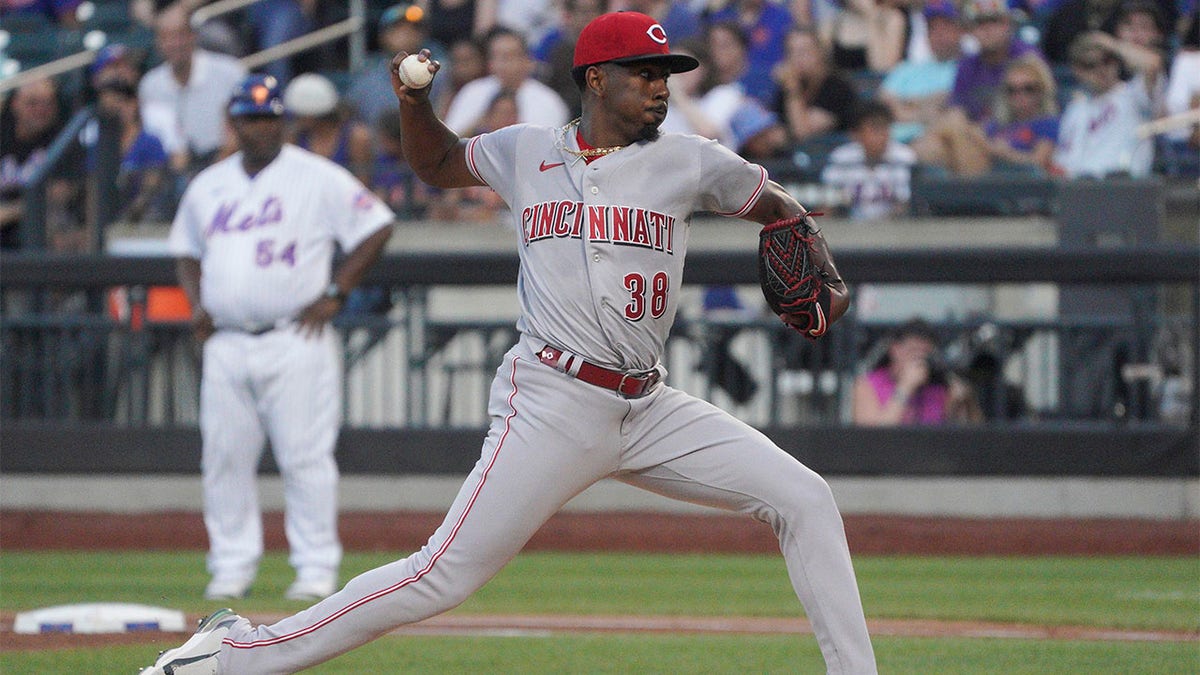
(590, 152)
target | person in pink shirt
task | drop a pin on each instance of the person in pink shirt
(908, 389)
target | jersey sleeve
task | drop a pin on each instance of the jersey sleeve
(729, 185)
(186, 239)
(353, 210)
(492, 156)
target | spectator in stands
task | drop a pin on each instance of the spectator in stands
(866, 35)
(509, 68)
(216, 34)
(183, 99)
(1020, 134)
(116, 60)
(1183, 89)
(977, 80)
(916, 30)
(31, 119)
(478, 204)
(531, 19)
(1073, 18)
(142, 176)
(556, 52)
(1139, 40)
(678, 18)
(1098, 134)
(764, 25)
(689, 110)
(321, 124)
(273, 22)
(1024, 125)
(728, 53)
(570, 13)
(402, 27)
(452, 20)
(917, 90)
(814, 98)
(61, 12)
(468, 62)
(393, 180)
(873, 172)
(722, 89)
(758, 134)
(909, 387)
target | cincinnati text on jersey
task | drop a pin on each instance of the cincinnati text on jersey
(620, 225)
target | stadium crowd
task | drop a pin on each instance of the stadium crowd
(854, 94)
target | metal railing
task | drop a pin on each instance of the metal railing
(352, 27)
(415, 365)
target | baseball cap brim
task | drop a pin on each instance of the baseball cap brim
(245, 109)
(678, 63)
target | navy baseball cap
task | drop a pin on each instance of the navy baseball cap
(109, 54)
(402, 13)
(944, 9)
(257, 95)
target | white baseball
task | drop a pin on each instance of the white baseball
(414, 73)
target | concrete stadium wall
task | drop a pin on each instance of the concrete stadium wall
(971, 497)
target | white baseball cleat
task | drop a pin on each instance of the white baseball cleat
(197, 656)
(227, 588)
(310, 589)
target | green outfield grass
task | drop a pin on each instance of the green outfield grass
(1131, 593)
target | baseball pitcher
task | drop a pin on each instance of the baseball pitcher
(600, 214)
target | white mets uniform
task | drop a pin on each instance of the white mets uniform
(265, 246)
(602, 248)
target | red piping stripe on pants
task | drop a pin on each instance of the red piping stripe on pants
(432, 561)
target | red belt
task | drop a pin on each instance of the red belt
(629, 385)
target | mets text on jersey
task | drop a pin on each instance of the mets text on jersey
(620, 225)
(270, 213)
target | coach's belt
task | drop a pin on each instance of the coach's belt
(255, 329)
(629, 385)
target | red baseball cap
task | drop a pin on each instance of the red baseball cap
(622, 37)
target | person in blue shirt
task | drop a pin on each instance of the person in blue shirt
(765, 25)
(143, 168)
(917, 91)
(1020, 133)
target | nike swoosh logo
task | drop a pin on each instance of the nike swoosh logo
(547, 167)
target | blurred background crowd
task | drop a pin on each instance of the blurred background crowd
(853, 95)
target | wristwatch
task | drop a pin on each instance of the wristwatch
(333, 292)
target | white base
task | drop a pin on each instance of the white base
(99, 617)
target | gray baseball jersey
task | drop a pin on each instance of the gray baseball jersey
(602, 245)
